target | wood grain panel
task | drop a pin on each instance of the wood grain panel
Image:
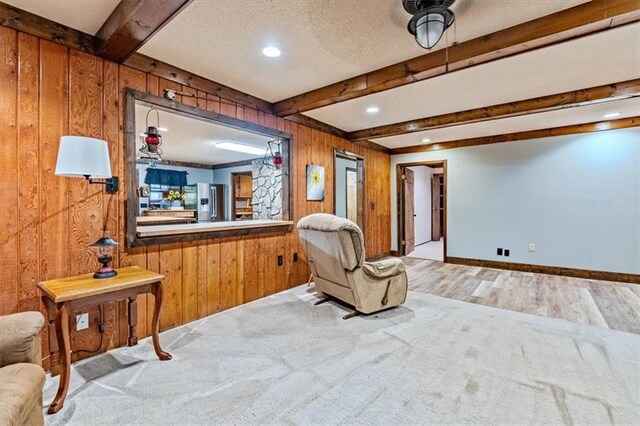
(85, 119)
(189, 281)
(8, 170)
(53, 123)
(49, 91)
(27, 185)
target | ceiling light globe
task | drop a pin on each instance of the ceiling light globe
(271, 52)
(429, 30)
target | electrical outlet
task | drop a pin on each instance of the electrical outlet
(295, 257)
(499, 252)
(82, 321)
(280, 260)
(532, 247)
(506, 252)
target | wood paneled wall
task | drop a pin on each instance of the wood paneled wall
(48, 90)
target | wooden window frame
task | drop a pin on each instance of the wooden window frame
(133, 240)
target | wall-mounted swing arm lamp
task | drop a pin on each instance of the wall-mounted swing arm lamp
(88, 158)
(80, 156)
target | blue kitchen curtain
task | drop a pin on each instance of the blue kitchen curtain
(165, 177)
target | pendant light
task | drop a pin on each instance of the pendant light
(430, 20)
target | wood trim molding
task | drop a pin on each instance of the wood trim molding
(234, 164)
(522, 136)
(558, 101)
(27, 22)
(585, 19)
(164, 70)
(132, 23)
(305, 120)
(550, 270)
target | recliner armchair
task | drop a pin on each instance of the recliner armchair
(335, 249)
(21, 376)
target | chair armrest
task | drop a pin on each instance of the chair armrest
(20, 338)
(385, 268)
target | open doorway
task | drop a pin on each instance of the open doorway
(348, 191)
(422, 210)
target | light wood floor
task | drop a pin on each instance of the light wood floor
(600, 303)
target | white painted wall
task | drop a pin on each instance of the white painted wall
(577, 197)
(223, 176)
(340, 184)
(422, 203)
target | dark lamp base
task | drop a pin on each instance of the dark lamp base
(105, 273)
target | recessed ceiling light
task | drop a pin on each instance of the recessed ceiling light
(372, 110)
(240, 147)
(425, 140)
(612, 115)
(163, 129)
(270, 51)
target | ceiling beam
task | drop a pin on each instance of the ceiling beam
(622, 123)
(588, 18)
(558, 101)
(132, 23)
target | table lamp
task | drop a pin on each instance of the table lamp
(88, 158)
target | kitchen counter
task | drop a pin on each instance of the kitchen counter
(194, 228)
(162, 220)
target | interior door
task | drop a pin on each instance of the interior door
(435, 208)
(409, 213)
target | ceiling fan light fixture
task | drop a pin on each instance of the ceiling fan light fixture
(430, 20)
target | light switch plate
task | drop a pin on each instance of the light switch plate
(82, 321)
(532, 247)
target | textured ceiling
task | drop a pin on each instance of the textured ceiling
(322, 41)
(544, 120)
(596, 60)
(83, 15)
(193, 140)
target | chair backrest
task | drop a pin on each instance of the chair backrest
(333, 244)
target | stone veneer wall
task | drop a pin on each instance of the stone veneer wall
(267, 191)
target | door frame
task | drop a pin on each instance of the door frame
(339, 153)
(400, 201)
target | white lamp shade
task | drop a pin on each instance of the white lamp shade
(79, 156)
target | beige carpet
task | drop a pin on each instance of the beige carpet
(281, 360)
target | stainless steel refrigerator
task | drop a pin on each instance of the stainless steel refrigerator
(207, 199)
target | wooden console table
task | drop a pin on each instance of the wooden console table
(64, 296)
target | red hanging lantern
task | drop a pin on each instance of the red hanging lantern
(277, 160)
(151, 139)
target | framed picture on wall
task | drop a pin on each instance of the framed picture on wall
(315, 183)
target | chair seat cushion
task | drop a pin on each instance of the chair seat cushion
(385, 268)
(20, 389)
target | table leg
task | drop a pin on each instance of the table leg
(133, 321)
(155, 326)
(64, 346)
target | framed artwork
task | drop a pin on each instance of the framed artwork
(315, 183)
